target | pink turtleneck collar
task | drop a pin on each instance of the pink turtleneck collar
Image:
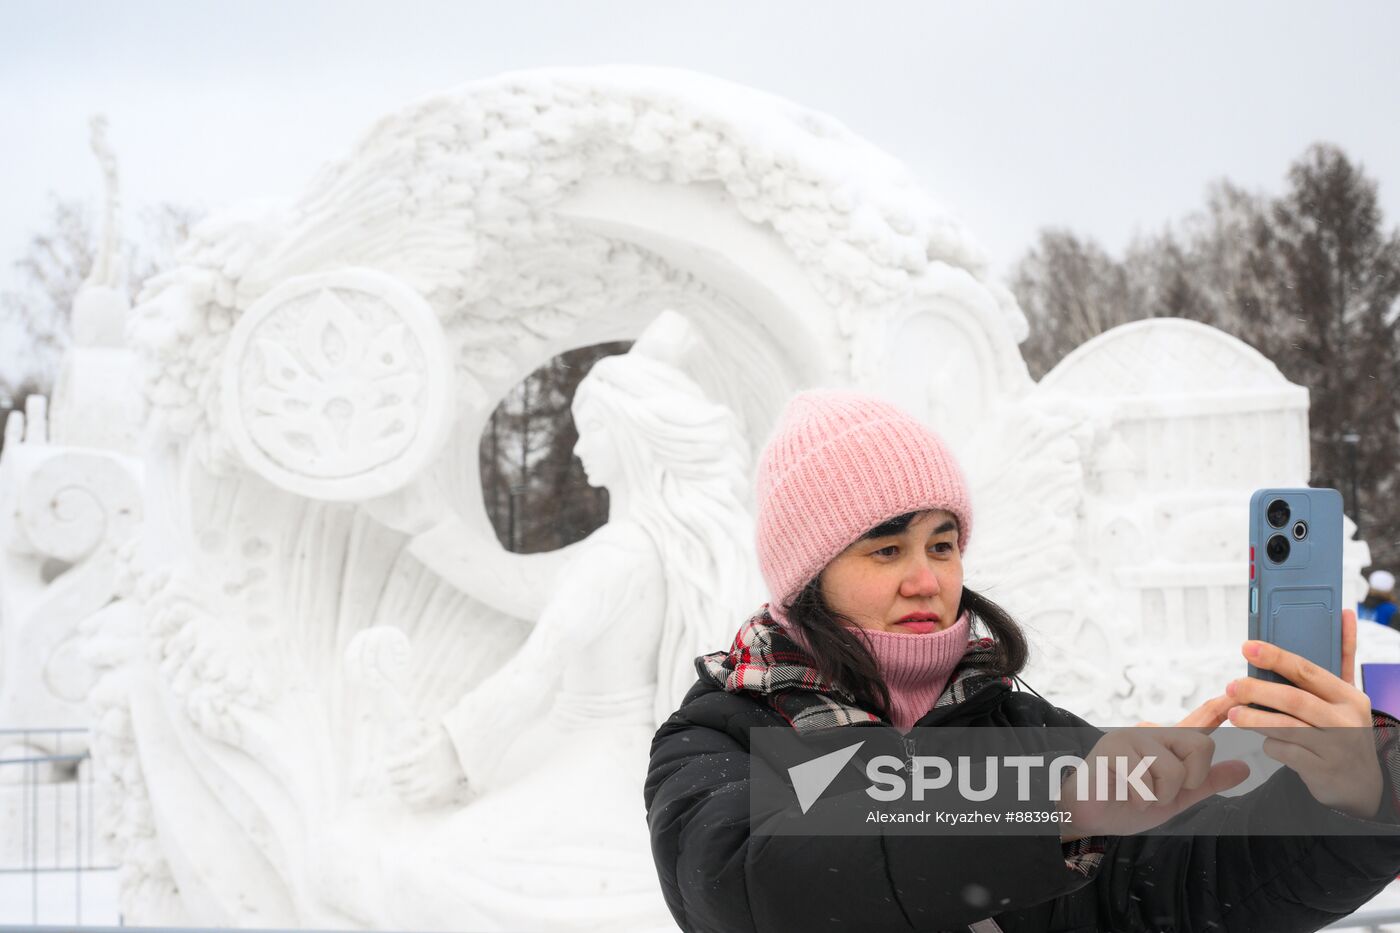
(916, 668)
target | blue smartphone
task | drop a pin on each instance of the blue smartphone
(1295, 575)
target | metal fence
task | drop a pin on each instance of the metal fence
(48, 840)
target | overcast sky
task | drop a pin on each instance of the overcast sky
(1107, 118)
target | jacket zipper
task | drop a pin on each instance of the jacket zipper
(981, 926)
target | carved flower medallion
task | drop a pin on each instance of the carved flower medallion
(337, 385)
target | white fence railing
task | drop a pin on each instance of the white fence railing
(50, 868)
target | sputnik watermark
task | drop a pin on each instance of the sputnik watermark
(944, 817)
(888, 782)
(1028, 781)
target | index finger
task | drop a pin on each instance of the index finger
(1209, 714)
(1299, 671)
(1194, 750)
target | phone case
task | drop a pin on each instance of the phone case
(1296, 602)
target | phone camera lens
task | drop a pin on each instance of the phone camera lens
(1278, 513)
(1278, 548)
(1300, 530)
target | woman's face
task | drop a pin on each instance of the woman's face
(899, 580)
(594, 448)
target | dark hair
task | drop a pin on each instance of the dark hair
(843, 658)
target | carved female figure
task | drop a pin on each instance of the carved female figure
(550, 750)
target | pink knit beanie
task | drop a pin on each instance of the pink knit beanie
(838, 464)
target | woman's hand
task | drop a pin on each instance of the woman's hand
(1180, 777)
(1339, 765)
(425, 770)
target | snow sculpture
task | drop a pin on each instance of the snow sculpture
(65, 511)
(529, 215)
(553, 745)
(1183, 423)
(70, 498)
(317, 575)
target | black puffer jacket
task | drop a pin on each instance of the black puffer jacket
(719, 879)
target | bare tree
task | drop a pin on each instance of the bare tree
(51, 270)
(1071, 290)
(537, 495)
(36, 316)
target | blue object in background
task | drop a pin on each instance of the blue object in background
(1384, 613)
(1381, 682)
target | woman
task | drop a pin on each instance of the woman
(863, 520)
(548, 749)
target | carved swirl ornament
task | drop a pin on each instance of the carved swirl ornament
(337, 385)
(76, 502)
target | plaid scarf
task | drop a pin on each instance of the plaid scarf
(765, 662)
